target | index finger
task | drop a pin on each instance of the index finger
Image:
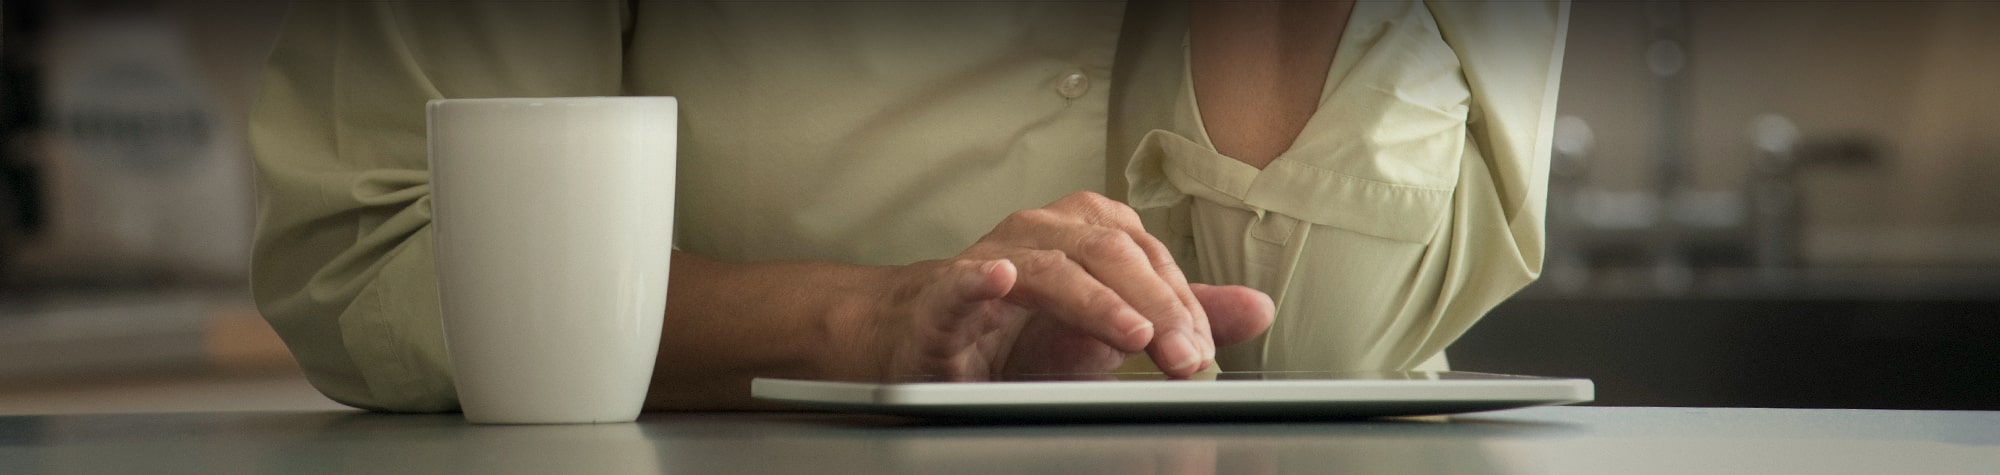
(1190, 323)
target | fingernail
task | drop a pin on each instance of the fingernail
(1143, 326)
(975, 279)
(1201, 345)
(1192, 350)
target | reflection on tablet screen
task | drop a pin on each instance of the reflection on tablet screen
(1237, 376)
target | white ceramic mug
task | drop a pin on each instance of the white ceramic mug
(553, 225)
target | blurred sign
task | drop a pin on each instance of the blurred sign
(125, 94)
(144, 182)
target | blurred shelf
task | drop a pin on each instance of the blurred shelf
(168, 392)
(79, 334)
(1821, 352)
(162, 350)
(1908, 283)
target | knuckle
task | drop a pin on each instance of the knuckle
(1163, 261)
(1106, 243)
(1028, 217)
(1156, 252)
(1166, 266)
(1121, 212)
(1151, 244)
(1045, 259)
(1101, 303)
(967, 264)
(951, 278)
(1170, 308)
(1103, 209)
(1013, 219)
(1081, 198)
(1089, 200)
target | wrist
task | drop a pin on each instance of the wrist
(853, 301)
(729, 322)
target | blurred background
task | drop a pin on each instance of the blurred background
(1776, 204)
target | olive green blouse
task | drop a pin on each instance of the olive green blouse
(892, 132)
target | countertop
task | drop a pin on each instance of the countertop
(1622, 440)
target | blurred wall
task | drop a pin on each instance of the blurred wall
(1854, 141)
(1913, 79)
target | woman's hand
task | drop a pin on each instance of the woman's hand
(1075, 286)
(1072, 287)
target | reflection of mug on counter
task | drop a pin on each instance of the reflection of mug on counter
(553, 225)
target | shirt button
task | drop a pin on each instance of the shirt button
(1073, 85)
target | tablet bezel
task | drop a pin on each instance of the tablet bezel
(1388, 394)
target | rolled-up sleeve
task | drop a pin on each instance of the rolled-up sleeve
(342, 264)
(1410, 204)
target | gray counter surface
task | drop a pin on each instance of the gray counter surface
(1526, 441)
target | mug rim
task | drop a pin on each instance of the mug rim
(553, 99)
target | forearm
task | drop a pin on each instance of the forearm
(729, 322)
(1258, 70)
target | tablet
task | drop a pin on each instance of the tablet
(1260, 395)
